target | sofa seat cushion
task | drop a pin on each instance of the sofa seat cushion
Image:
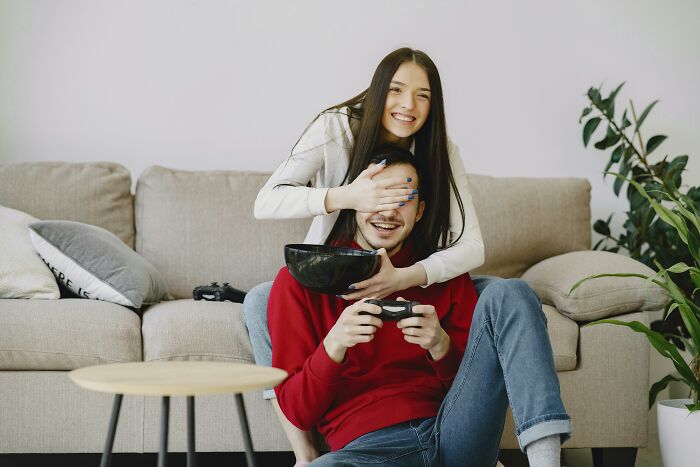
(196, 330)
(216, 331)
(563, 334)
(66, 334)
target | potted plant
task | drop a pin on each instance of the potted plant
(678, 420)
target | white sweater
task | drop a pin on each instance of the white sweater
(322, 158)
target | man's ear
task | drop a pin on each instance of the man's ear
(421, 209)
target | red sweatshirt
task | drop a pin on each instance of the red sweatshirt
(380, 383)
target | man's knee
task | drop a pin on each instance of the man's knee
(255, 304)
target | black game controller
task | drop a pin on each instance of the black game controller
(218, 293)
(393, 310)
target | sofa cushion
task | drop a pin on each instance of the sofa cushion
(553, 278)
(66, 334)
(525, 220)
(97, 193)
(198, 227)
(563, 334)
(216, 331)
(93, 263)
(22, 272)
(196, 330)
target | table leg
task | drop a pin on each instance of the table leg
(111, 431)
(249, 453)
(164, 415)
(191, 461)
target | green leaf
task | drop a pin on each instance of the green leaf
(598, 276)
(617, 89)
(601, 227)
(679, 268)
(659, 386)
(625, 121)
(610, 140)
(644, 114)
(695, 276)
(585, 112)
(594, 95)
(617, 153)
(595, 247)
(619, 181)
(654, 142)
(589, 128)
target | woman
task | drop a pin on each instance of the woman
(402, 106)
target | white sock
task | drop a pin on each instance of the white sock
(545, 452)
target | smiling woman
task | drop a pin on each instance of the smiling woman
(328, 176)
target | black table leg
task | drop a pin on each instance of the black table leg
(250, 459)
(111, 431)
(191, 461)
(164, 415)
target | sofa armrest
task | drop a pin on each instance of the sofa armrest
(553, 278)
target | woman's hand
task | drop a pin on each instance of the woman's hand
(367, 195)
(425, 331)
(385, 282)
(352, 328)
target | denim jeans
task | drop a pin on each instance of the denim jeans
(508, 360)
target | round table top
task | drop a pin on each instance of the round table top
(177, 378)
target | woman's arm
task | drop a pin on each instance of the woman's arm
(286, 194)
(467, 253)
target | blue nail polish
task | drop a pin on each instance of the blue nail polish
(383, 162)
(351, 287)
(410, 196)
(340, 296)
(374, 252)
(415, 192)
(401, 204)
(408, 179)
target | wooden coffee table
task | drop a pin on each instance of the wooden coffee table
(167, 379)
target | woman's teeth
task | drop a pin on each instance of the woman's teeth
(403, 118)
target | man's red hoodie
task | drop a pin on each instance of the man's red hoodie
(380, 383)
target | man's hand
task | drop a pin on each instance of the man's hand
(425, 331)
(351, 329)
(385, 282)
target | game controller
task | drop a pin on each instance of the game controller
(393, 310)
(218, 293)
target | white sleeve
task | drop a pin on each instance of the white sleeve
(468, 252)
(285, 195)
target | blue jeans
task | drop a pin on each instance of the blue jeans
(508, 360)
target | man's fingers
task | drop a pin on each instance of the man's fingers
(425, 310)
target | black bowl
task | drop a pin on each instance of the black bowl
(329, 269)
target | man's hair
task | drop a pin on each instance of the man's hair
(345, 226)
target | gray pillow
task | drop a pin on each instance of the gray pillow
(94, 263)
(598, 298)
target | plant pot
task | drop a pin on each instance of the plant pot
(679, 432)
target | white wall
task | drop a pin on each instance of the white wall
(226, 84)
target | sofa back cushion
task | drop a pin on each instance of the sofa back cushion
(97, 193)
(198, 227)
(526, 220)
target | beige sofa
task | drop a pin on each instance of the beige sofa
(198, 227)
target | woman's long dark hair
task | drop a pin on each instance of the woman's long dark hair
(431, 157)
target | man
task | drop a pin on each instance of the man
(383, 392)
